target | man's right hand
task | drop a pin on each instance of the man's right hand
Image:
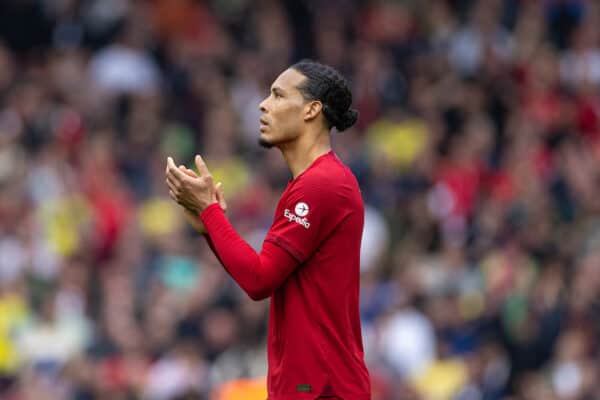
(191, 217)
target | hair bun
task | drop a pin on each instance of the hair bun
(327, 85)
(348, 119)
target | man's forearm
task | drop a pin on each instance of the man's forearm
(259, 274)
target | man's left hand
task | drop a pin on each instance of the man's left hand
(193, 193)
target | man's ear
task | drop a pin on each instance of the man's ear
(312, 110)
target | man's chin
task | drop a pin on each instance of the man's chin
(265, 143)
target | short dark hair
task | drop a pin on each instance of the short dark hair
(326, 84)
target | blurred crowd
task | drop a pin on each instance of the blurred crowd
(477, 151)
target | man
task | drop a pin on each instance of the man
(309, 262)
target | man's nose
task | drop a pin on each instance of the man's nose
(262, 106)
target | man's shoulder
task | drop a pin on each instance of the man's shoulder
(330, 181)
(331, 171)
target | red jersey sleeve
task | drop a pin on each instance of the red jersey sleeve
(258, 274)
(306, 214)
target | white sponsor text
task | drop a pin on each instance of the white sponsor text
(293, 217)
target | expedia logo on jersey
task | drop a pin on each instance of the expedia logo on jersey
(301, 210)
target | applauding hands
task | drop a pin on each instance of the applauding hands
(192, 191)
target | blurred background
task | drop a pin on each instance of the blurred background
(477, 150)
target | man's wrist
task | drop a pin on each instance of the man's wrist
(206, 214)
(209, 207)
(200, 209)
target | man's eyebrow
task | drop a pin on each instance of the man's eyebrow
(277, 89)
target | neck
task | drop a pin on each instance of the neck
(301, 153)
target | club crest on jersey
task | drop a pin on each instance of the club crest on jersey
(299, 214)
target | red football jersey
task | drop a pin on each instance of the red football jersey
(315, 344)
